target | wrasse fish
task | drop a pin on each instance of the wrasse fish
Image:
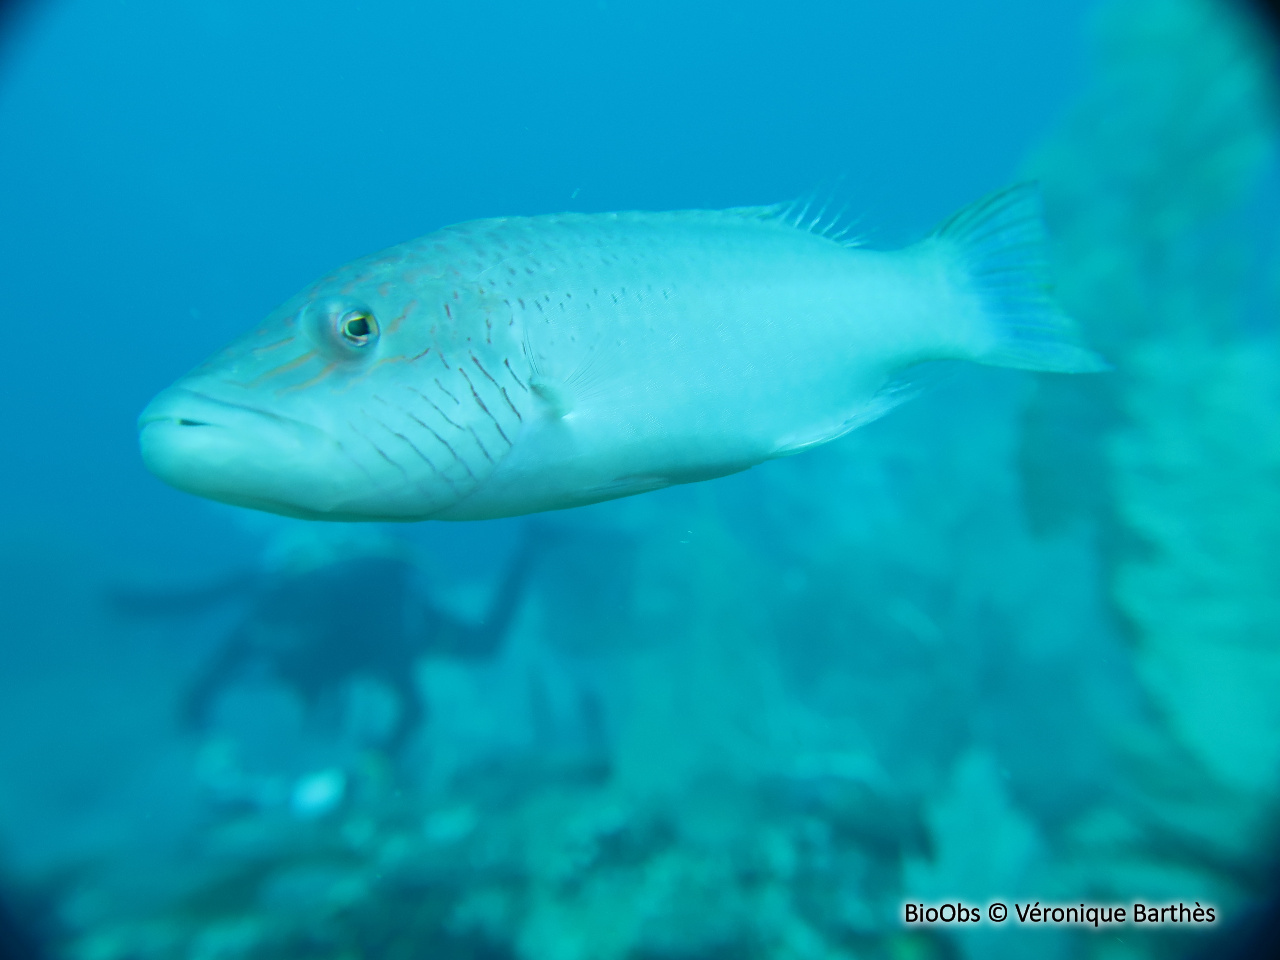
(513, 365)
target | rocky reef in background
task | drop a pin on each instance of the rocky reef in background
(1160, 189)
(1018, 641)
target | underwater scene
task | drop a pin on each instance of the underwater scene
(891, 572)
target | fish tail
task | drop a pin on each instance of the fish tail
(1002, 248)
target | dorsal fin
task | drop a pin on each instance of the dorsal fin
(821, 213)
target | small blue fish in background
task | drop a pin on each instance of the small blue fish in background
(509, 366)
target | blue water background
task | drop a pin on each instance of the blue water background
(170, 172)
(173, 171)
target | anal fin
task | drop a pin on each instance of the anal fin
(906, 385)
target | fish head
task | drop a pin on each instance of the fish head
(349, 402)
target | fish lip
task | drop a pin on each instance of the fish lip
(171, 405)
(240, 454)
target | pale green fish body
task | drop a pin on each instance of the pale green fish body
(508, 366)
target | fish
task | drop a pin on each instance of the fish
(514, 365)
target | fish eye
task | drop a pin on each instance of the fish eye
(358, 327)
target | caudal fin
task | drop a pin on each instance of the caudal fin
(1001, 244)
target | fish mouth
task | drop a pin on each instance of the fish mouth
(239, 454)
(183, 407)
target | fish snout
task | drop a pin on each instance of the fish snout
(242, 455)
(180, 406)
